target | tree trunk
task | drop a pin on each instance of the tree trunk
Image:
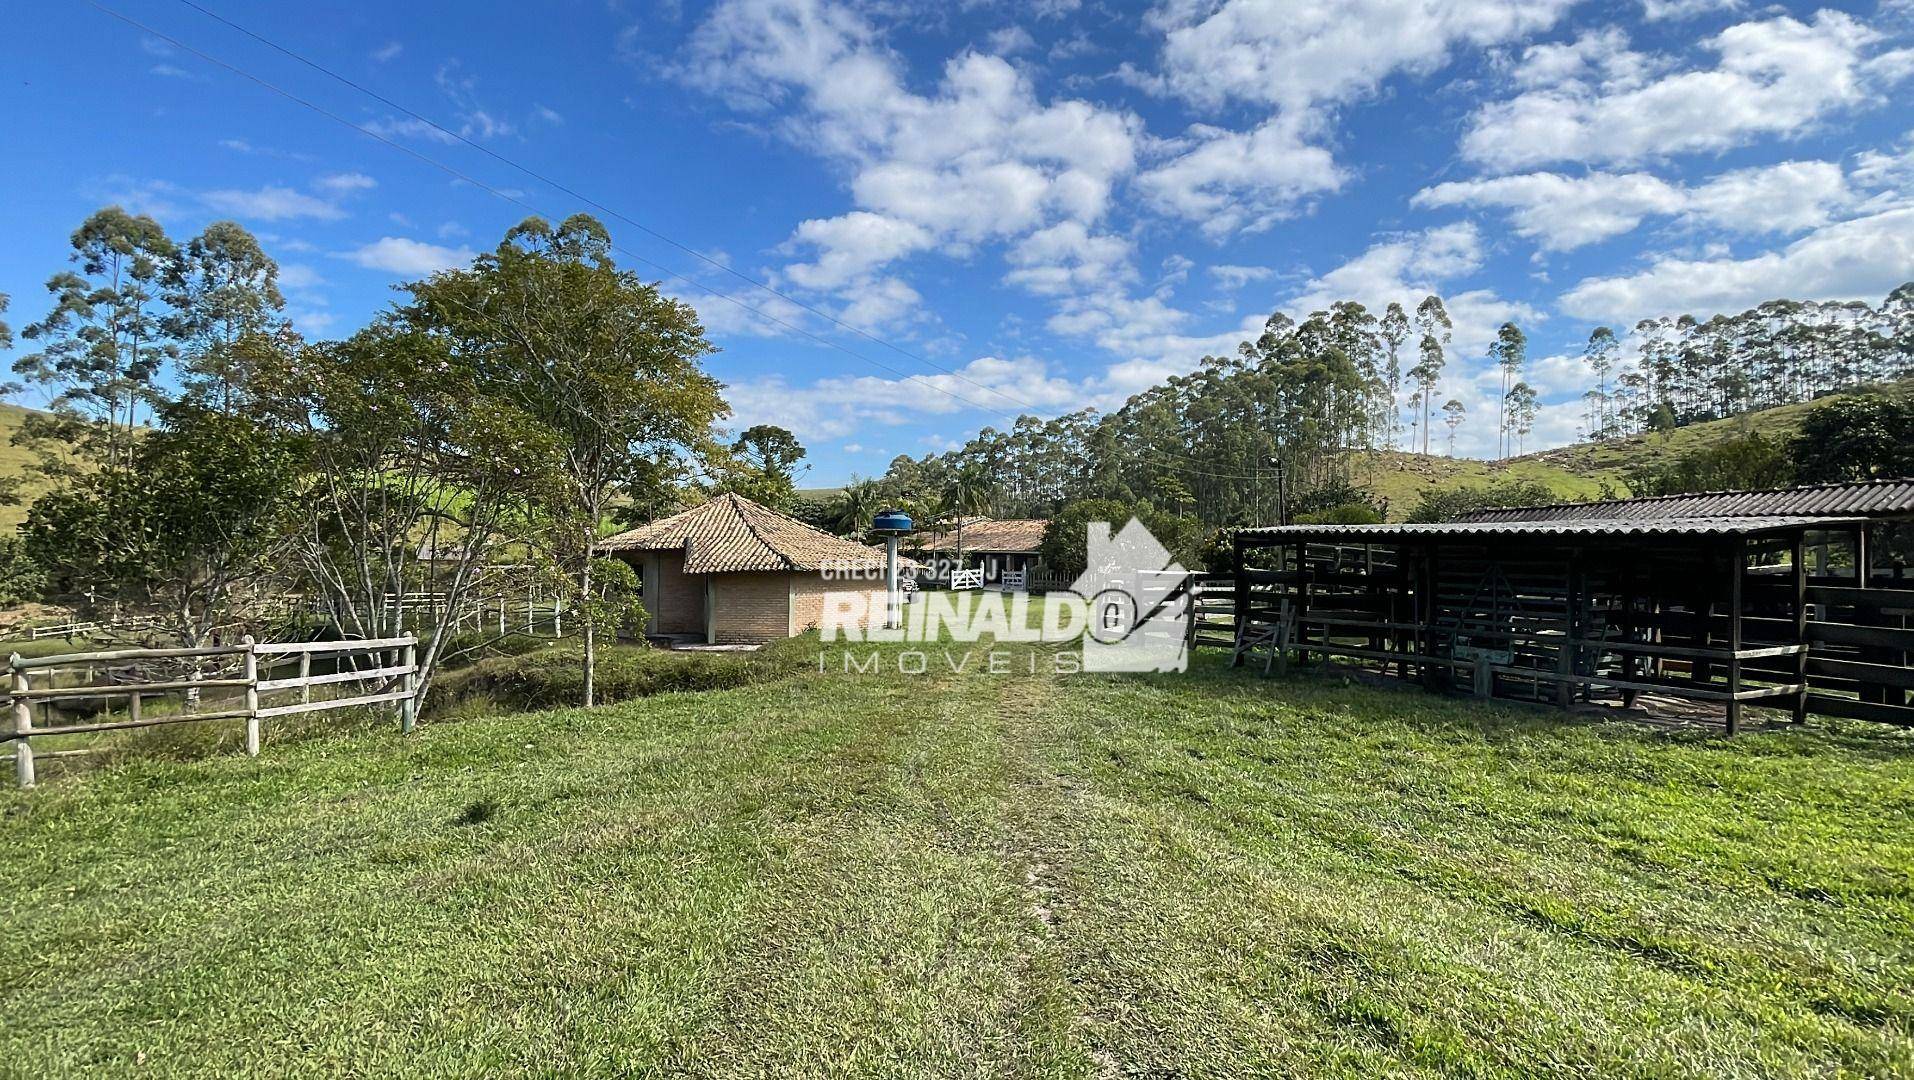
(591, 630)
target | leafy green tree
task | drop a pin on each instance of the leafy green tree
(1394, 329)
(1748, 463)
(593, 359)
(1065, 546)
(1857, 437)
(1521, 419)
(1600, 354)
(199, 519)
(968, 493)
(761, 466)
(850, 514)
(22, 578)
(103, 345)
(223, 291)
(1449, 504)
(1453, 413)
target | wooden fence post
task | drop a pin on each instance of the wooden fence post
(409, 704)
(252, 695)
(22, 725)
(305, 672)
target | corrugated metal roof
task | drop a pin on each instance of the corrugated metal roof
(731, 534)
(1872, 498)
(1613, 527)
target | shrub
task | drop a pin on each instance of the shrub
(553, 677)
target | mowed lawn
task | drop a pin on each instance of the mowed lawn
(1016, 874)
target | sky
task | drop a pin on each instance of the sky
(906, 220)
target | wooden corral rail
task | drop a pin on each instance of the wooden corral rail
(389, 664)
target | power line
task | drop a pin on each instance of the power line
(456, 173)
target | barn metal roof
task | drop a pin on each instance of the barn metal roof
(1871, 498)
(1592, 527)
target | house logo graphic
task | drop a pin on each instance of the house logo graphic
(1139, 602)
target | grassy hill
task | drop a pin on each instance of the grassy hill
(16, 461)
(1574, 473)
(1021, 874)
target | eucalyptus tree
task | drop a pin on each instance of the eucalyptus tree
(1600, 354)
(1510, 352)
(601, 366)
(1453, 412)
(102, 346)
(1394, 330)
(1521, 401)
(226, 307)
(1432, 322)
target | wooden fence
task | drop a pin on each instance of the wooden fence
(390, 665)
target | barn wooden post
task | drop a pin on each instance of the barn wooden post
(1801, 626)
(1242, 598)
(22, 725)
(1737, 568)
(251, 676)
(409, 704)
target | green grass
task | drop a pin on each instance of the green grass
(966, 874)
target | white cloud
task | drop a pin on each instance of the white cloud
(1067, 258)
(270, 203)
(1011, 40)
(979, 158)
(1776, 77)
(835, 407)
(1235, 277)
(299, 276)
(1295, 56)
(413, 258)
(387, 53)
(345, 183)
(1566, 212)
(1657, 10)
(1232, 181)
(405, 127)
(1298, 60)
(1860, 259)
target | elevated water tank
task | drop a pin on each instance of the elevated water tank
(890, 523)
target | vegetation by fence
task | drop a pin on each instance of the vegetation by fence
(379, 671)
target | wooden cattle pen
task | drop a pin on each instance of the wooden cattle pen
(1806, 612)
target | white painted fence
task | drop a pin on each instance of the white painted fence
(254, 657)
(967, 579)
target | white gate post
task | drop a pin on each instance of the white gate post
(252, 695)
(22, 725)
(409, 704)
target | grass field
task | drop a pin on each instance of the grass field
(1018, 874)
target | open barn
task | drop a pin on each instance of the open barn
(1795, 599)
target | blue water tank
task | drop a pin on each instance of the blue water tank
(890, 523)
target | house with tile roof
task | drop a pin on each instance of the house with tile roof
(733, 571)
(998, 547)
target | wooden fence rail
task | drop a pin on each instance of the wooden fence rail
(347, 656)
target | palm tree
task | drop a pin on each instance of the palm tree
(968, 493)
(856, 504)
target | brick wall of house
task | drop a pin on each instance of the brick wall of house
(807, 603)
(748, 608)
(679, 603)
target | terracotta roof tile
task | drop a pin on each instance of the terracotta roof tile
(986, 534)
(732, 534)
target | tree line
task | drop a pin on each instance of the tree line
(479, 435)
(1279, 428)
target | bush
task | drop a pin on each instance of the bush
(1749, 463)
(1355, 513)
(1452, 503)
(1856, 438)
(554, 676)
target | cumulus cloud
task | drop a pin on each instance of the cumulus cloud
(270, 203)
(345, 183)
(1235, 277)
(1565, 212)
(1299, 62)
(1860, 259)
(833, 408)
(406, 257)
(979, 158)
(1777, 76)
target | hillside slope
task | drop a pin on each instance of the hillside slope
(16, 462)
(1573, 473)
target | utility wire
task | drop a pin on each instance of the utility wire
(667, 271)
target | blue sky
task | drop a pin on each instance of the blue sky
(1026, 206)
